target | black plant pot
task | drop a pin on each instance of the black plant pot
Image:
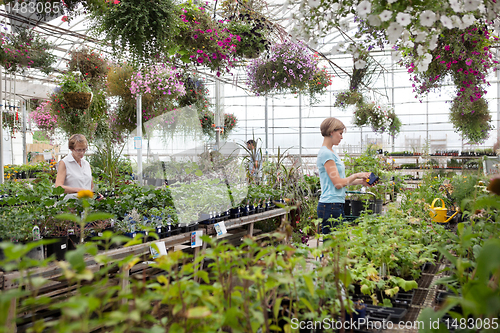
(73, 241)
(58, 248)
(377, 206)
(347, 208)
(234, 212)
(357, 206)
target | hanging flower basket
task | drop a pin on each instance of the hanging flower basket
(78, 100)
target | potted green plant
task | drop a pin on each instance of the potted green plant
(76, 91)
(251, 34)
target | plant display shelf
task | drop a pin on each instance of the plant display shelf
(244, 220)
(53, 272)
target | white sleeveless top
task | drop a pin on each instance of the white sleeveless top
(76, 175)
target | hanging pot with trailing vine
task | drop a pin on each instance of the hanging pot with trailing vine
(77, 93)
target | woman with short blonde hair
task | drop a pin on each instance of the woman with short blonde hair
(332, 174)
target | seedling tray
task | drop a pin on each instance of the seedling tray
(403, 300)
(380, 313)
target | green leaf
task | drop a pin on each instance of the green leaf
(198, 312)
(409, 285)
(203, 275)
(306, 303)
(231, 317)
(68, 216)
(309, 283)
(98, 216)
(365, 289)
(448, 255)
(276, 308)
(345, 277)
(199, 173)
(489, 260)
(430, 319)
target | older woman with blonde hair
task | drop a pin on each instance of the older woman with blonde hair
(74, 173)
(332, 174)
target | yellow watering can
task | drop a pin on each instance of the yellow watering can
(438, 214)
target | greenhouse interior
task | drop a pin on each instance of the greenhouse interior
(249, 166)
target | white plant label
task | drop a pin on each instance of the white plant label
(220, 228)
(36, 233)
(161, 248)
(196, 238)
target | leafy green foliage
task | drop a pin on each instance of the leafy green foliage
(73, 82)
(143, 28)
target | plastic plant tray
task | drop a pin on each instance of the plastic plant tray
(403, 300)
(374, 312)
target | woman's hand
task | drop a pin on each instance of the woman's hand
(363, 175)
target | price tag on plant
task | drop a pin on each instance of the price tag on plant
(137, 142)
(220, 228)
(161, 248)
(196, 238)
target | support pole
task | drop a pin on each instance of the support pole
(427, 119)
(23, 114)
(266, 124)
(361, 131)
(139, 134)
(13, 103)
(498, 104)
(217, 113)
(392, 98)
(300, 126)
(1, 127)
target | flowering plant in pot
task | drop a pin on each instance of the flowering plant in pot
(11, 121)
(159, 85)
(471, 119)
(202, 41)
(465, 57)
(90, 63)
(361, 76)
(289, 68)
(348, 97)
(43, 118)
(196, 92)
(76, 91)
(207, 122)
(252, 33)
(318, 85)
(25, 49)
(159, 80)
(380, 118)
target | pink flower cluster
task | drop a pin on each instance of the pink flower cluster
(225, 48)
(158, 79)
(466, 57)
(43, 119)
(205, 43)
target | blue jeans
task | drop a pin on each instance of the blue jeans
(327, 211)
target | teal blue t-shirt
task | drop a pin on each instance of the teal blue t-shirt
(330, 194)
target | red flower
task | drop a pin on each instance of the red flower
(64, 18)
